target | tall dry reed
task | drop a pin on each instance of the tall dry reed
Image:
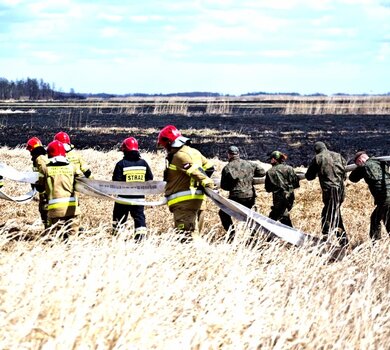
(104, 292)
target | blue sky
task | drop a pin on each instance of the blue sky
(224, 46)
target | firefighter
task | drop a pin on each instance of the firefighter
(186, 176)
(281, 180)
(330, 168)
(377, 176)
(39, 158)
(132, 168)
(72, 155)
(58, 178)
(237, 178)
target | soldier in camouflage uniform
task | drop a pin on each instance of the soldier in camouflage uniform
(281, 180)
(237, 178)
(330, 168)
(377, 176)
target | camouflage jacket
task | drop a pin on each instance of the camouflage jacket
(281, 178)
(330, 168)
(377, 176)
(237, 177)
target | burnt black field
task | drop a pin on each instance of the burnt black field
(255, 134)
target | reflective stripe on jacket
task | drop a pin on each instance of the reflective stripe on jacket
(61, 202)
(132, 169)
(184, 173)
(185, 196)
(134, 173)
(58, 179)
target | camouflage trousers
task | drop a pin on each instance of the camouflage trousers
(280, 210)
(226, 219)
(331, 218)
(380, 214)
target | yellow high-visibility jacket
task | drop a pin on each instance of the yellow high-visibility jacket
(37, 164)
(39, 161)
(184, 173)
(78, 161)
(58, 179)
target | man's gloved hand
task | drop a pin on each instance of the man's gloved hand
(209, 183)
(88, 174)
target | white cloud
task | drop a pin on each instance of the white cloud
(288, 4)
(109, 17)
(144, 18)
(321, 21)
(384, 53)
(173, 46)
(303, 32)
(278, 53)
(340, 31)
(319, 47)
(11, 2)
(228, 53)
(46, 56)
(110, 32)
(208, 32)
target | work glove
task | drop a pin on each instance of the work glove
(88, 174)
(209, 183)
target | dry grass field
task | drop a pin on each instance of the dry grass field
(104, 292)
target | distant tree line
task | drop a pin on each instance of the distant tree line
(34, 89)
(31, 89)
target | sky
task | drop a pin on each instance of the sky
(224, 46)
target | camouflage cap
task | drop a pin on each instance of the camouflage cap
(233, 150)
(277, 155)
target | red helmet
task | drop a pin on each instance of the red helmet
(56, 149)
(62, 137)
(170, 136)
(32, 143)
(129, 144)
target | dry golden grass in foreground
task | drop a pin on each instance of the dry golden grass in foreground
(102, 292)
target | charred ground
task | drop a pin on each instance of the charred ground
(255, 134)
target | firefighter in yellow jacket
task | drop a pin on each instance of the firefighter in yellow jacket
(39, 158)
(72, 155)
(185, 175)
(58, 178)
